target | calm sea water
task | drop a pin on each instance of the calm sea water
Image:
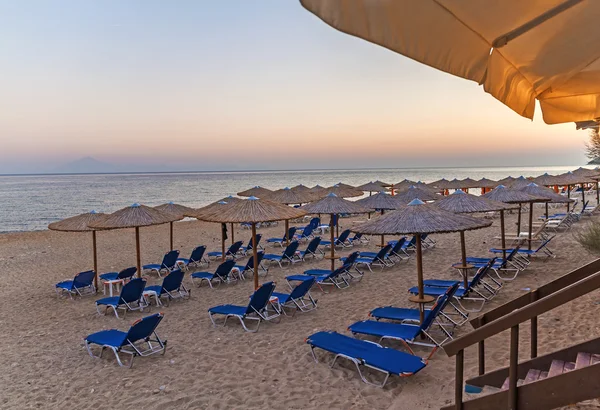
(32, 202)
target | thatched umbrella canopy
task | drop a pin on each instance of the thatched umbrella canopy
(486, 183)
(288, 196)
(415, 192)
(134, 216)
(341, 184)
(469, 183)
(461, 202)
(302, 190)
(546, 180)
(176, 210)
(333, 205)
(586, 172)
(383, 184)
(81, 223)
(371, 187)
(569, 179)
(344, 191)
(380, 201)
(541, 191)
(512, 196)
(519, 183)
(229, 199)
(253, 211)
(419, 218)
(218, 207)
(403, 185)
(256, 191)
(440, 183)
(454, 184)
(506, 181)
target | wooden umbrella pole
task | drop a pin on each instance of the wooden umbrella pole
(519, 221)
(171, 229)
(597, 194)
(232, 234)
(382, 236)
(420, 275)
(463, 253)
(287, 232)
(583, 194)
(332, 244)
(530, 224)
(568, 196)
(95, 260)
(337, 225)
(546, 211)
(223, 242)
(503, 233)
(255, 255)
(138, 252)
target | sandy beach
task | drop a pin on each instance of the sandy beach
(45, 364)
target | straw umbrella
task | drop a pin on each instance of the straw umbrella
(486, 184)
(540, 191)
(81, 223)
(518, 51)
(218, 206)
(318, 191)
(333, 205)
(469, 183)
(547, 180)
(463, 203)
(380, 202)
(510, 196)
(178, 211)
(303, 190)
(344, 191)
(134, 216)
(253, 210)
(383, 184)
(568, 178)
(402, 185)
(256, 191)
(519, 183)
(442, 185)
(506, 181)
(418, 218)
(371, 187)
(288, 196)
(415, 192)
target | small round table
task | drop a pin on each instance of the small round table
(464, 271)
(422, 302)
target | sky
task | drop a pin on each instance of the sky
(238, 84)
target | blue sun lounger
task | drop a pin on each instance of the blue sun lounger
(367, 354)
(249, 267)
(248, 248)
(380, 258)
(299, 298)
(288, 255)
(137, 341)
(125, 275)
(232, 251)
(312, 249)
(255, 311)
(342, 241)
(131, 298)
(334, 278)
(82, 283)
(413, 315)
(168, 264)
(282, 241)
(171, 288)
(196, 258)
(306, 234)
(220, 275)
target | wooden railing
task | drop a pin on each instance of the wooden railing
(509, 316)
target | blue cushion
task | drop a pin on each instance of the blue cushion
(396, 313)
(154, 288)
(66, 284)
(441, 283)
(109, 276)
(152, 266)
(283, 297)
(380, 329)
(184, 260)
(214, 253)
(229, 310)
(202, 275)
(112, 337)
(272, 257)
(110, 301)
(317, 272)
(433, 291)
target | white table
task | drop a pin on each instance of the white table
(116, 283)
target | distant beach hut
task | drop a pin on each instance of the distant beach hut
(253, 210)
(416, 192)
(175, 210)
(257, 191)
(81, 223)
(333, 205)
(418, 218)
(463, 203)
(134, 216)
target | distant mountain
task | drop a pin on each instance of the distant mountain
(89, 165)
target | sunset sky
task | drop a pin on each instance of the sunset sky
(230, 85)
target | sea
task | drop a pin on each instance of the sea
(31, 202)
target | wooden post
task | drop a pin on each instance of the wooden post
(546, 211)
(171, 234)
(232, 234)
(458, 380)
(481, 349)
(287, 232)
(420, 275)
(137, 250)
(530, 224)
(534, 332)
(568, 196)
(519, 221)
(463, 252)
(223, 227)
(597, 194)
(332, 243)
(503, 234)
(255, 255)
(513, 368)
(382, 236)
(95, 260)
(583, 194)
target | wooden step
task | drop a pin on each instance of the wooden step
(532, 375)
(595, 358)
(559, 367)
(520, 382)
(583, 360)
